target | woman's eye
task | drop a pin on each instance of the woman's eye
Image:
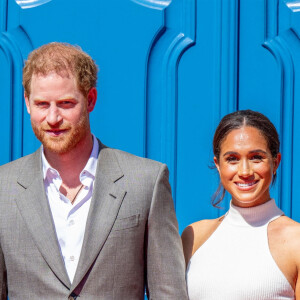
(257, 157)
(231, 159)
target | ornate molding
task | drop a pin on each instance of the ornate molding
(155, 4)
(293, 5)
(25, 4)
(177, 34)
(226, 60)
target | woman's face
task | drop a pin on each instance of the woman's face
(246, 166)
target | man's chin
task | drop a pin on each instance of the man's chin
(58, 145)
(57, 149)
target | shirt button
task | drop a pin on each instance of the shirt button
(72, 222)
(72, 258)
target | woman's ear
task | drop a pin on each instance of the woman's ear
(276, 161)
(217, 164)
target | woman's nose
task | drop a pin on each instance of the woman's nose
(245, 169)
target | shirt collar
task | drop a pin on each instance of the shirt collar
(89, 169)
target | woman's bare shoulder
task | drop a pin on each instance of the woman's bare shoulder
(284, 234)
(196, 234)
(286, 229)
(285, 226)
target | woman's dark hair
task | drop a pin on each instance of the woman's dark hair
(237, 120)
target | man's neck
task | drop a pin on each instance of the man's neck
(70, 164)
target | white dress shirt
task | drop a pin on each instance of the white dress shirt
(70, 219)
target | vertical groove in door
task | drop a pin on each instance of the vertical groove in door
(3, 15)
(226, 60)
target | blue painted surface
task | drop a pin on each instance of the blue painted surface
(169, 70)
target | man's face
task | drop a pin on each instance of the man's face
(59, 112)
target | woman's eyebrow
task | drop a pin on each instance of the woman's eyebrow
(258, 150)
(252, 151)
(230, 153)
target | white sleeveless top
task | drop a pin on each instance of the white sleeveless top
(235, 263)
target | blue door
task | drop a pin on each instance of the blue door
(169, 70)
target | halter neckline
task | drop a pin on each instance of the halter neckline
(253, 216)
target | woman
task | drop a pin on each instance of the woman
(253, 252)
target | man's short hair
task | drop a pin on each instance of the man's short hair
(63, 59)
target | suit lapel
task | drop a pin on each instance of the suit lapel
(34, 207)
(106, 201)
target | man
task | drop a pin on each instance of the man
(78, 219)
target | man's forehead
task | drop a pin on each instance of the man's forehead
(62, 73)
(42, 79)
(58, 85)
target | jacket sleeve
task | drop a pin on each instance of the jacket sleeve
(3, 277)
(165, 267)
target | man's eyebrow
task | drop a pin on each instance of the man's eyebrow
(66, 98)
(39, 99)
(59, 99)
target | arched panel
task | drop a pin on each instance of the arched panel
(289, 39)
(283, 43)
(278, 47)
(177, 35)
(207, 90)
(15, 46)
(6, 107)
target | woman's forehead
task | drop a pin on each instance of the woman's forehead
(245, 137)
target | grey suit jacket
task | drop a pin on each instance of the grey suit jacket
(131, 238)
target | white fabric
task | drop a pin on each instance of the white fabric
(70, 220)
(235, 263)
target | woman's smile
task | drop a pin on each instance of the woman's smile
(246, 185)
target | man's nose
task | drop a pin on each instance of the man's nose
(53, 115)
(245, 169)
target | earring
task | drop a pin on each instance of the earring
(274, 173)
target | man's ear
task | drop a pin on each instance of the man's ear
(91, 99)
(27, 103)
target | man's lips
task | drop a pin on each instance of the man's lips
(55, 132)
(246, 185)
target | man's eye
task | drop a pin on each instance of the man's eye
(42, 104)
(66, 104)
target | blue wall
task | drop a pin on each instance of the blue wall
(169, 70)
